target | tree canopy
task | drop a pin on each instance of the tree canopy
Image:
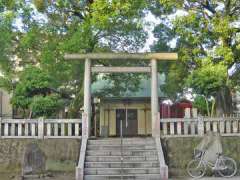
(36, 34)
(207, 40)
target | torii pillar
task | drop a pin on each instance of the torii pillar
(86, 119)
(154, 99)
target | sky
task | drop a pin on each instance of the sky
(152, 21)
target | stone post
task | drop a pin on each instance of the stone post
(187, 123)
(86, 120)
(41, 128)
(194, 113)
(154, 99)
(187, 113)
(80, 167)
(164, 172)
(200, 123)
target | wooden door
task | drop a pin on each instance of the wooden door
(129, 122)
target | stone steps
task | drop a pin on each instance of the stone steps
(138, 160)
(124, 177)
(148, 164)
(124, 153)
(118, 158)
(117, 171)
(118, 147)
(133, 141)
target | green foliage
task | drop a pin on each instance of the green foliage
(208, 79)
(47, 106)
(33, 81)
(33, 92)
(49, 29)
(40, 5)
(5, 44)
(171, 5)
(207, 34)
(203, 31)
(175, 75)
(200, 103)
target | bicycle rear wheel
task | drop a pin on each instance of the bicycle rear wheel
(196, 168)
(226, 167)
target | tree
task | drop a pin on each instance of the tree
(47, 106)
(35, 93)
(51, 28)
(6, 38)
(175, 72)
(206, 30)
(208, 80)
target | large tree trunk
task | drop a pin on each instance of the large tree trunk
(224, 102)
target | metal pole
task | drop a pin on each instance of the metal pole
(95, 123)
(126, 117)
(121, 135)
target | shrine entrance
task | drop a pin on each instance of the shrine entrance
(130, 122)
(129, 118)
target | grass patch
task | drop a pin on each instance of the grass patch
(60, 166)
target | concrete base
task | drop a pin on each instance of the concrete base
(164, 172)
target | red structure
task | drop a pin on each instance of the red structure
(165, 110)
(175, 110)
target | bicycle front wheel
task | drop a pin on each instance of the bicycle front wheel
(226, 167)
(196, 168)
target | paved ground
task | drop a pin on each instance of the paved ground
(71, 177)
(54, 177)
(210, 178)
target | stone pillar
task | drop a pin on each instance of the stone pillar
(40, 128)
(154, 99)
(86, 119)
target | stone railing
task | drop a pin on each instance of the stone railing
(40, 128)
(189, 127)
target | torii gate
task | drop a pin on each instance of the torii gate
(152, 57)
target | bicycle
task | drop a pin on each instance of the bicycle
(224, 166)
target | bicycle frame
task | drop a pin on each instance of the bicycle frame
(213, 166)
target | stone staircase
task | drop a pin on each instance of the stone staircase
(140, 159)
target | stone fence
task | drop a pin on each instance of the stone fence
(40, 128)
(191, 127)
(72, 128)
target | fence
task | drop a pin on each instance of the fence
(40, 128)
(189, 127)
(72, 128)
